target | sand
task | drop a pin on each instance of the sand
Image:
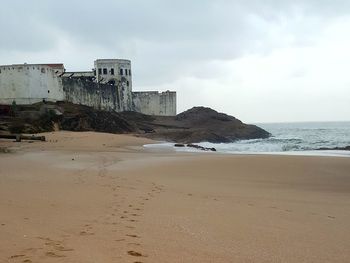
(94, 197)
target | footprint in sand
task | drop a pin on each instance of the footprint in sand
(134, 236)
(17, 256)
(85, 233)
(135, 254)
(62, 248)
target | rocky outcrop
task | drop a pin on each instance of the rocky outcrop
(195, 125)
(346, 148)
(198, 124)
(84, 118)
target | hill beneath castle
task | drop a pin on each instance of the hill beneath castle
(195, 125)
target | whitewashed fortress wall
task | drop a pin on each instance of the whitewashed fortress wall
(107, 87)
(27, 84)
(155, 103)
(116, 72)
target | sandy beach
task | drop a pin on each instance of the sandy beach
(94, 197)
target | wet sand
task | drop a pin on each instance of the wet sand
(93, 197)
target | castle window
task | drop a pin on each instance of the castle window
(99, 71)
(126, 72)
(121, 72)
(129, 72)
(112, 71)
(127, 83)
(104, 71)
(42, 70)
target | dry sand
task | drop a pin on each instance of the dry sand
(93, 197)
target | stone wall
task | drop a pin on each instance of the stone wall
(29, 83)
(89, 93)
(155, 103)
(116, 71)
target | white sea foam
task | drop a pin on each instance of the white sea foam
(286, 139)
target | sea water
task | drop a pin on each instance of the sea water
(290, 138)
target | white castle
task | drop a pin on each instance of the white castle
(108, 87)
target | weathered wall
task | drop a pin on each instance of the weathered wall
(98, 96)
(31, 83)
(27, 84)
(119, 72)
(155, 103)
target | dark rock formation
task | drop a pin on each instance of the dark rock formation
(195, 125)
(201, 147)
(346, 148)
(83, 118)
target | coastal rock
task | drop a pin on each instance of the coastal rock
(346, 148)
(201, 147)
(198, 124)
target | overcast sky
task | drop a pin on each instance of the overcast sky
(259, 60)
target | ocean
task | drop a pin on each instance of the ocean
(290, 138)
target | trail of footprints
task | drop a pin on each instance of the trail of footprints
(131, 213)
(49, 248)
(124, 214)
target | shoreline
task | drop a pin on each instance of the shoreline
(94, 197)
(316, 153)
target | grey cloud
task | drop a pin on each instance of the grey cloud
(165, 39)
